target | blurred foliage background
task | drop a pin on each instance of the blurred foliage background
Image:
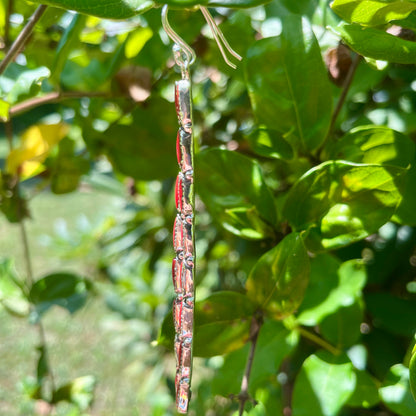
(306, 206)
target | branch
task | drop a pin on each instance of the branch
(51, 97)
(244, 396)
(23, 37)
(319, 341)
(343, 96)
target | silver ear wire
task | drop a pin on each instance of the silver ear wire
(186, 50)
(219, 37)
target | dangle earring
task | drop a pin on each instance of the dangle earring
(183, 265)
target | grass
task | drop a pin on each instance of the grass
(87, 342)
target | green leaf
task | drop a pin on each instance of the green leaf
(406, 211)
(395, 392)
(274, 343)
(123, 9)
(332, 286)
(412, 373)
(79, 391)
(366, 391)
(374, 144)
(398, 318)
(285, 97)
(342, 328)
(373, 12)
(66, 44)
(342, 202)
(233, 189)
(152, 156)
(108, 9)
(19, 83)
(270, 143)
(136, 41)
(62, 289)
(279, 279)
(325, 384)
(377, 44)
(222, 324)
(12, 297)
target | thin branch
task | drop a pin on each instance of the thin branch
(345, 88)
(319, 341)
(23, 37)
(244, 396)
(52, 97)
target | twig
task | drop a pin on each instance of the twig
(244, 396)
(51, 97)
(345, 88)
(319, 341)
(23, 37)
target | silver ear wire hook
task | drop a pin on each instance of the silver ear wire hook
(219, 37)
(182, 47)
(183, 50)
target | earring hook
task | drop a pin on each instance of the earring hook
(184, 47)
(189, 54)
(219, 37)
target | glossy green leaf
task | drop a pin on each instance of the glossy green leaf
(123, 9)
(79, 392)
(373, 12)
(233, 189)
(285, 97)
(18, 82)
(274, 343)
(406, 211)
(342, 202)
(398, 318)
(144, 148)
(222, 324)
(12, 296)
(377, 44)
(412, 373)
(279, 279)
(395, 392)
(342, 328)
(62, 289)
(66, 44)
(332, 286)
(366, 391)
(270, 143)
(374, 144)
(325, 384)
(108, 9)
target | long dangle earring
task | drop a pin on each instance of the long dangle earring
(183, 264)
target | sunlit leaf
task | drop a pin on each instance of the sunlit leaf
(279, 279)
(324, 384)
(79, 392)
(35, 145)
(366, 391)
(395, 392)
(222, 324)
(333, 285)
(343, 202)
(285, 97)
(136, 41)
(232, 187)
(374, 144)
(412, 373)
(373, 12)
(377, 44)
